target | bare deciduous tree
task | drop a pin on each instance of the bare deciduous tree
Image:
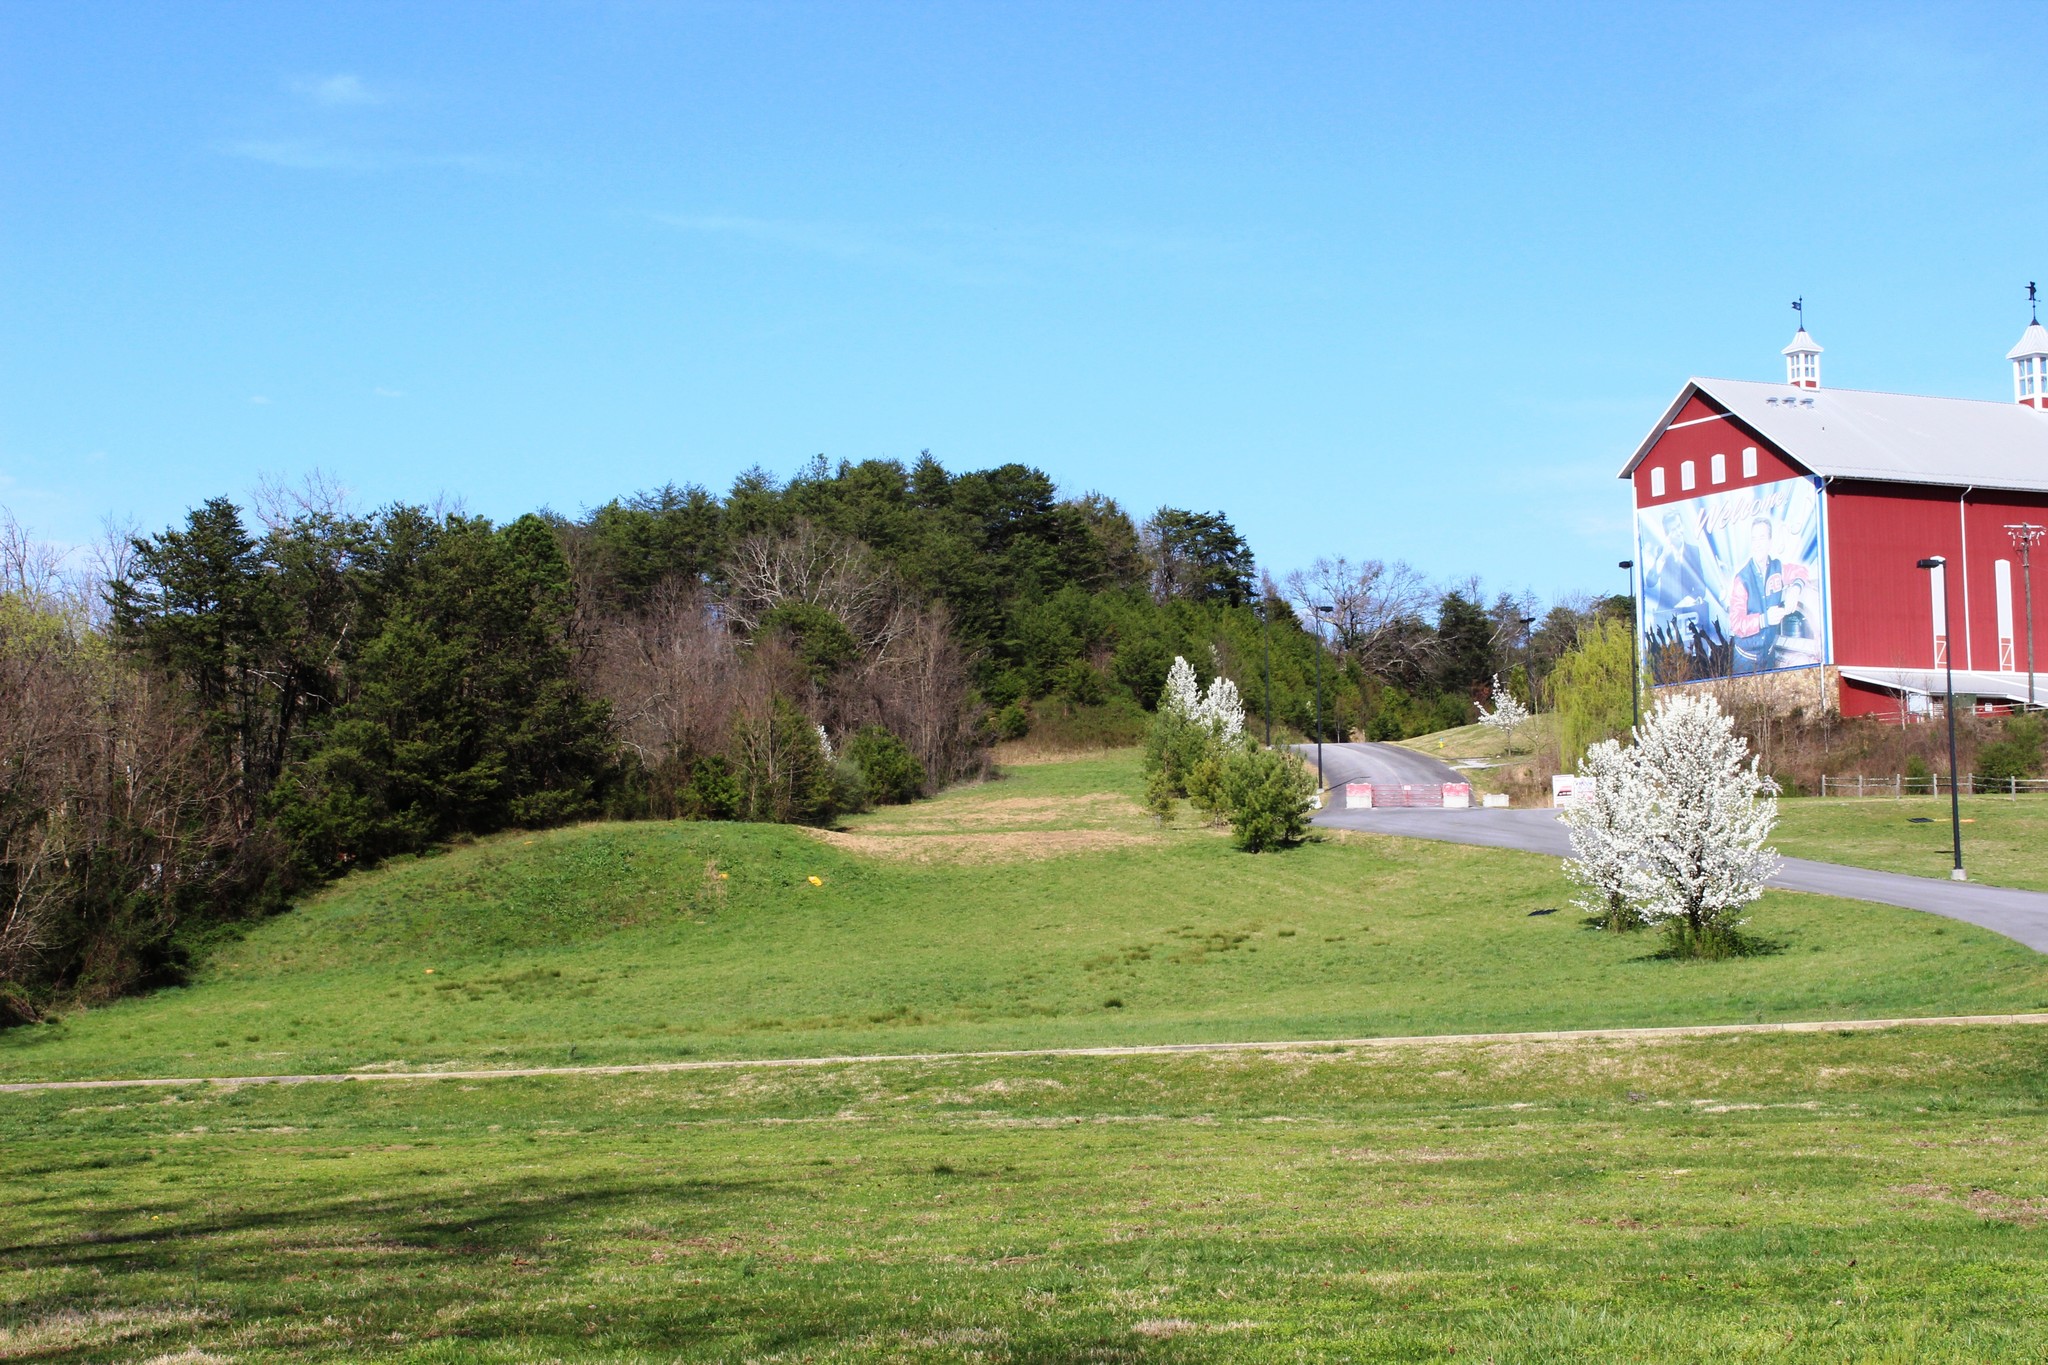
(112, 816)
(814, 567)
(1377, 608)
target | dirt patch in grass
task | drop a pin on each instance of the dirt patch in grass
(1008, 846)
(1094, 808)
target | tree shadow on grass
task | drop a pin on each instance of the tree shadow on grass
(490, 1260)
(1678, 945)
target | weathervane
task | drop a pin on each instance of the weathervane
(2033, 304)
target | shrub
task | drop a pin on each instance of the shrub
(1012, 722)
(2016, 753)
(892, 773)
(713, 793)
(1265, 796)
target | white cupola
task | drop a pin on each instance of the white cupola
(1802, 361)
(2030, 363)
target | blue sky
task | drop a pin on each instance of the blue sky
(1394, 283)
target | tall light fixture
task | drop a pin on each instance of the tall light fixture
(1948, 661)
(1320, 786)
(2025, 536)
(1635, 649)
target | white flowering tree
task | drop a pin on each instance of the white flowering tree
(1705, 814)
(1506, 716)
(1679, 832)
(1183, 695)
(1601, 820)
(1222, 710)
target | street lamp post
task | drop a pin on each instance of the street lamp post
(1318, 611)
(2025, 536)
(1635, 649)
(1948, 660)
(1529, 659)
(1266, 641)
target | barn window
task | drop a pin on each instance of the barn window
(1657, 481)
(1685, 476)
(1717, 469)
(1749, 462)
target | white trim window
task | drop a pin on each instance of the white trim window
(1685, 476)
(1717, 469)
(1656, 480)
(1749, 462)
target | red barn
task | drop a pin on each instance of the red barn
(1779, 528)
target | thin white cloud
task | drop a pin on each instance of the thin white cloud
(299, 154)
(383, 392)
(341, 90)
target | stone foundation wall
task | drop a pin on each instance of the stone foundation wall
(1810, 691)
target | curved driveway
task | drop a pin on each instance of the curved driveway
(2019, 915)
(1389, 763)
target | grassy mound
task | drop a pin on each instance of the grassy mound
(1044, 909)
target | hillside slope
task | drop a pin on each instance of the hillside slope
(1043, 909)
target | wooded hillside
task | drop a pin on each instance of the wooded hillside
(240, 706)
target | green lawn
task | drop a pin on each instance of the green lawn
(2006, 843)
(1875, 1197)
(624, 943)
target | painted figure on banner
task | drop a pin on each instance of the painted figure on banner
(1732, 582)
(1766, 598)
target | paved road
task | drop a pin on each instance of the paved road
(1582, 1035)
(1378, 763)
(2019, 915)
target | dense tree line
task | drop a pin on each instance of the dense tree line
(242, 705)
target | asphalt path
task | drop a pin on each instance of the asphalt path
(1388, 763)
(2019, 915)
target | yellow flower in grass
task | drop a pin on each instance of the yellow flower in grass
(817, 881)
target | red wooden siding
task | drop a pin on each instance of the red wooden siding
(1701, 431)
(1883, 609)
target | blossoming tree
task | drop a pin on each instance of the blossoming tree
(1506, 716)
(1600, 821)
(1675, 826)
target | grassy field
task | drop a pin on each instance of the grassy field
(1532, 737)
(1871, 1197)
(2005, 843)
(1042, 910)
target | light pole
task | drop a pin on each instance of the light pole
(2025, 536)
(1319, 610)
(1529, 659)
(1266, 641)
(1948, 660)
(1635, 649)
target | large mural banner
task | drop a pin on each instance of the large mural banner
(1732, 582)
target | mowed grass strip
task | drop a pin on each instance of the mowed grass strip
(2005, 843)
(1875, 1196)
(656, 942)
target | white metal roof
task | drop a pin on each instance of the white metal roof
(1891, 437)
(1971, 682)
(2033, 341)
(1802, 344)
